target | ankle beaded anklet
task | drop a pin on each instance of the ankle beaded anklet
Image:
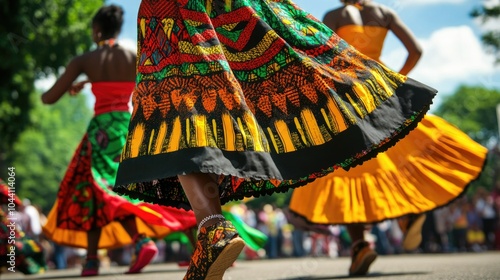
(207, 218)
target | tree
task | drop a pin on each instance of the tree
(43, 151)
(490, 38)
(37, 37)
(473, 110)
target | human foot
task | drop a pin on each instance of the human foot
(411, 226)
(91, 267)
(362, 257)
(145, 250)
(217, 248)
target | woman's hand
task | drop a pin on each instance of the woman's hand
(75, 88)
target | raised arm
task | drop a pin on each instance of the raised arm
(406, 37)
(65, 81)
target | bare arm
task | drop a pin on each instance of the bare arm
(411, 44)
(65, 81)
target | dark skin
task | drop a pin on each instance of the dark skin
(106, 63)
(202, 191)
(118, 64)
(103, 64)
(373, 14)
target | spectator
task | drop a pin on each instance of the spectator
(30, 220)
(459, 221)
(486, 210)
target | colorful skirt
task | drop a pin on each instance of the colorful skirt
(85, 200)
(431, 167)
(257, 91)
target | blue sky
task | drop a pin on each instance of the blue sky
(453, 53)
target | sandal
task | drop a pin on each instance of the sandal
(91, 267)
(217, 248)
(145, 251)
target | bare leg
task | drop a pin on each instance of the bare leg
(93, 237)
(144, 248)
(130, 226)
(361, 254)
(203, 194)
(91, 266)
(357, 232)
(217, 246)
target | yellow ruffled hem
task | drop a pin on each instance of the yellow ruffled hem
(429, 168)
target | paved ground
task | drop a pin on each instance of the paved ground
(418, 266)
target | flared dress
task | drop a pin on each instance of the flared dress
(259, 92)
(85, 199)
(429, 168)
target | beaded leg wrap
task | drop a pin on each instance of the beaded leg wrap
(217, 248)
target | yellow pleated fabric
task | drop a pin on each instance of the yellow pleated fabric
(429, 168)
(367, 39)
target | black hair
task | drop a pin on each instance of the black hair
(110, 20)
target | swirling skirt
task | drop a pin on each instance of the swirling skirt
(431, 167)
(85, 200)
(259, 92)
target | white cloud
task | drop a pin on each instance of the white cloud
(452, 56)
(398, 5)
(429, 2)
(128, 44)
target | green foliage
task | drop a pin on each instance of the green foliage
(491, 38)
(43, 151)
(36, 38)
(279, 200)
(473, 110)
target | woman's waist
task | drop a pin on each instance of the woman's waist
(112, 106)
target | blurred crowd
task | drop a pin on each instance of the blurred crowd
(469, 224)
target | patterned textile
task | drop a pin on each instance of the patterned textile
(213, 241)
(28, 254)
(259, 91)
(85, 200)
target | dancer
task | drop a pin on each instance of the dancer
(244, 98)
(427, 169)
(87, 213)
